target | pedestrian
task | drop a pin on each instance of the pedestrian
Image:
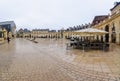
(8, 39)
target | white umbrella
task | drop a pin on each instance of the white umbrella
(91, 31)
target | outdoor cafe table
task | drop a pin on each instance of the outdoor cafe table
(83, 45)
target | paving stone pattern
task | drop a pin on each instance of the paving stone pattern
(48, 60)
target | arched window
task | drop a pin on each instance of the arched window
(113, 27)
(107, 28)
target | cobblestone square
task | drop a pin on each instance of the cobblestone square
(49, 60)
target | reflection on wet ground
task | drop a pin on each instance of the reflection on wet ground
(97, 60)
(49, 60)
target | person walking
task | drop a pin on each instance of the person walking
(8, 39)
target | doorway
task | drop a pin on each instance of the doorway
(113, 36)
(107, 35)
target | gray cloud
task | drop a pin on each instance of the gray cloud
(53, 14)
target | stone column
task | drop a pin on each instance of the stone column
(117, 29)
(117, 38)
(95, 37)
(99, 37)
(110, 33)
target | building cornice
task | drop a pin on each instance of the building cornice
(112, 17)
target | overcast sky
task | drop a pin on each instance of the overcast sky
(52, 14)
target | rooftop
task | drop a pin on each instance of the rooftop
(116, 4)
(98, 19)
(40, 30)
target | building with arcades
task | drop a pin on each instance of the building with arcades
(109, 23)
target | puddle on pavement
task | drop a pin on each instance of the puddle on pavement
(92, 57)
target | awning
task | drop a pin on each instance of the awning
(92, 31)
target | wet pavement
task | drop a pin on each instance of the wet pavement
(1, 42)
(48, 60)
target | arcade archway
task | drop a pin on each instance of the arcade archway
(113, 36)
(107, 35)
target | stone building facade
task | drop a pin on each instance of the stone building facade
(10, 27)
(39, 33)
(45, 33)
(111, 25)
(23, 33)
